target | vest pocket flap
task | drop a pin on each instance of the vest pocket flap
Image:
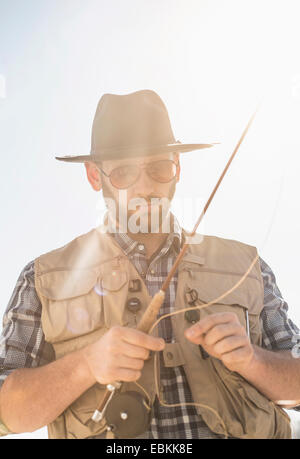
(173, 356)
(260, 401)
(60, 285)
(206, 294)
(213, 284)
(114, 280)
(237, 304)
(192, 258)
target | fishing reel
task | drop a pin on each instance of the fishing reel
(127, 414)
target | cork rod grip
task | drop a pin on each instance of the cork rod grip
(151, 312)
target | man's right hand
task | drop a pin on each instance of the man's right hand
(120, 354)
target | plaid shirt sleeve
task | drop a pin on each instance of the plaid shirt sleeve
(22, 342)
(279, 332)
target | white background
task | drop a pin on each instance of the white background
(211, 61)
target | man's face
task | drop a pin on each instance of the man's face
(137, 200)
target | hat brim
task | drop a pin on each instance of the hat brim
(125, 152)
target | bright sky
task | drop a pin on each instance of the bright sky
(211, 61)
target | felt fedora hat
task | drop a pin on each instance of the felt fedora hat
(132, 125)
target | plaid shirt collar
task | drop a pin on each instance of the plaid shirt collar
(174, 239)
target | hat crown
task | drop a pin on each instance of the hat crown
(132, 125)
(136, 119)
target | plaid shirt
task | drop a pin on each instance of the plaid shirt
(22, 342)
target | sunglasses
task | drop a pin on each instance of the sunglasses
(162, 171)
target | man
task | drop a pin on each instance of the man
(69, 328)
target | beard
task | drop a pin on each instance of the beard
(144, 214)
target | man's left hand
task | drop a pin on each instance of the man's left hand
(222, 336)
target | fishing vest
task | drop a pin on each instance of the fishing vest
(84, 288)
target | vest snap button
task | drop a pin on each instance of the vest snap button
(133, 305)
(135, 285)
(192, 316)
(170, 355)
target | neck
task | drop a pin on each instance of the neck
(143, 237)
(151, 240)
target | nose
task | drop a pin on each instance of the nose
(145, 184)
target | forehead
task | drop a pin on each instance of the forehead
(112, 164)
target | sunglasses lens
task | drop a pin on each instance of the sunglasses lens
(162, 171)
(123, 177)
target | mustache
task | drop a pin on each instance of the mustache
(148, 198)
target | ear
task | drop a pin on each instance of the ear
(177, 161)
(93, 175)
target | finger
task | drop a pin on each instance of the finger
(229, 344)
(221, 331)
(124, 374)
(141, 339)
(205, 324)
(136, 352)
(122, 361)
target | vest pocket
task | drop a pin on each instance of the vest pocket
(78, 416)
(249, 413)
(114, 291)
(250, 394)
(72, 307)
